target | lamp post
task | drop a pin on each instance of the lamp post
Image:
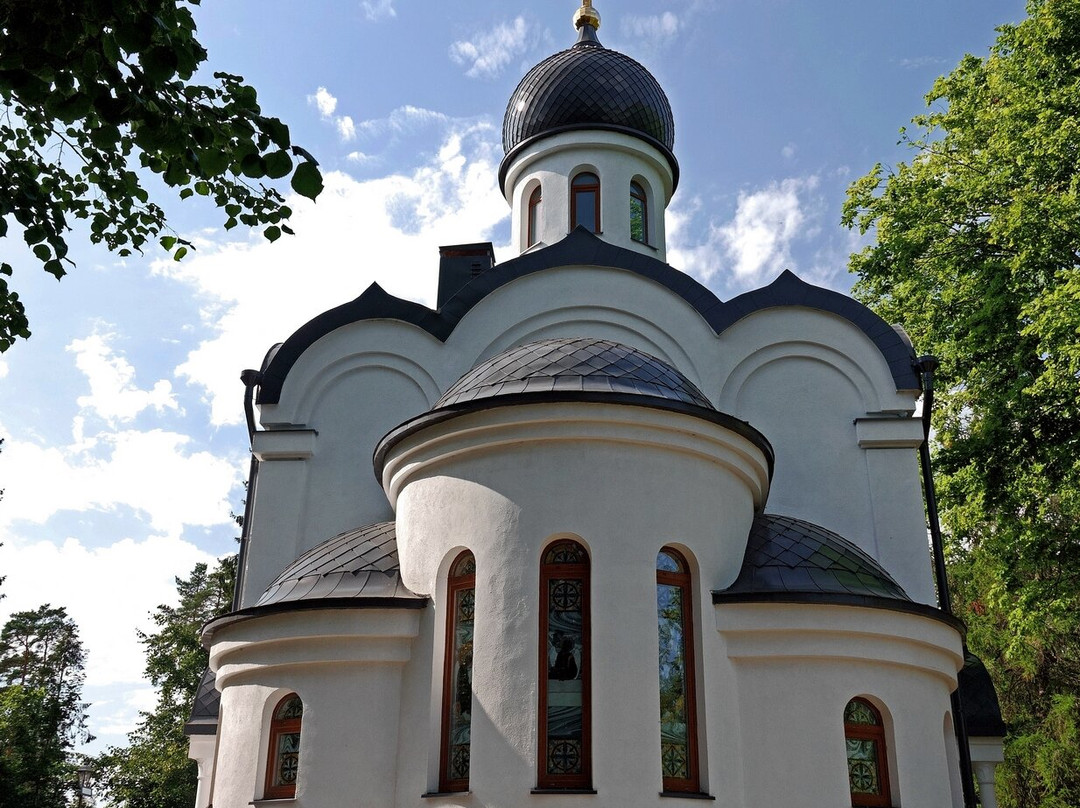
(86, 776)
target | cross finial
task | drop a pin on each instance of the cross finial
(586, 15)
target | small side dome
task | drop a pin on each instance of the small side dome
(786, 556)
(359, 563)
(589, 86)
(574, 366)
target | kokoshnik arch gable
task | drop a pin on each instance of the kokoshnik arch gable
(625, 543)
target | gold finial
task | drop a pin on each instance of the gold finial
(587, 15)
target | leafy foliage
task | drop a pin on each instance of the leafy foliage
(41, 712)
(976, 252)
(90, 91)
(154, 770)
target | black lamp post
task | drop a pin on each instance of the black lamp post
(86, 777)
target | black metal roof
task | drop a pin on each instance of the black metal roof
(359, 563)
(204, 710)
(982, 713)
(787, 555)
(575, 365)
(588, 86)
(583, 248)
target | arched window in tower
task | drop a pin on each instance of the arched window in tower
(585, 202)
(534, 216)
(457, 674)
(283, 758)
(678, 724)
(639, 214)
(868, 771)
(564, 748)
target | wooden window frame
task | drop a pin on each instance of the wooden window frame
(532, 225)
(279, 727)
(577, 186)
(548, 571)
(640, 195)
(453, 586)
(683, 580)
(871, 732)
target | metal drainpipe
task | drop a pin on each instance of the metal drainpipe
(251, 379)
(926, 365)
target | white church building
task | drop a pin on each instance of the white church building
(586, 535)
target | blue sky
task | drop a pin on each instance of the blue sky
(125, 449)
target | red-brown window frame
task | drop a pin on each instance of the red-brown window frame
(279, 727)
(637, 191)
(535, 198)
(580, 185)
(453, 586)
(545, 781)
(871, 732)
(691, 784)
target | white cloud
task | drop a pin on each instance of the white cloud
(788, 151)
(378, 10)
(401, 121)
(359, 158)
(152, 472)
(113, 394)
(4, 368)
(384, 229)
(490, 51)
(345, 127)
(655, 27)
(323, 101)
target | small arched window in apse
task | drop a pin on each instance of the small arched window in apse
(457, 675)
(283, 756)
(868, 771)
(585, 202)
(535, 202)
(639, 214)
(678, 713)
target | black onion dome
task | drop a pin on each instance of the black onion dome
(589, 86)
(574, 366)
(359, 563)
(786, 556)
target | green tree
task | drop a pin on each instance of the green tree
(41, 711)
(90, 91)
(154, 771)
(975, 249)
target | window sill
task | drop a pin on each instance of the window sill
(436, 794)
(563, 791)
(688, 795)
(273, 801)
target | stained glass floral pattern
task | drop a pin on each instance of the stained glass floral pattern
(283, 765)
(864, 736)
(457, 721)
(677, 738)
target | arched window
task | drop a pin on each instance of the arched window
(585, 202)
(678, 724)
(639, 214)
(457, 674)
(534, 216)
(283, 758)
(868, 770)
(564, 748)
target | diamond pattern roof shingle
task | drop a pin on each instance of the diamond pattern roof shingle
(588, 85)
(982, 712)
(577, 365)
(204, 710)
(359, 563)
(787, 555)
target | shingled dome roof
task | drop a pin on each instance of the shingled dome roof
(360, 563)
(589, 86)
(574, 366)
(786, 556)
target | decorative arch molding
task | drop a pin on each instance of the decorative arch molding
(330, 375)
(826, 355)
(583, 248)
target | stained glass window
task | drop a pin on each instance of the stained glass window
(535, 201)
(585, 202)
(864, 735)
(639, 214)
(283, 760)
(457, 677)
(678, 732)
(564, 680)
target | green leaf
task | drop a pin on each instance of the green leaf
(253, 166)
(307, 180)
(43, 252)
(202, 188)
(278, 164)
(180, 253)
(168, 242)
(272, 233)
(278, 132)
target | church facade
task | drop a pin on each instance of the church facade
(585, 534)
